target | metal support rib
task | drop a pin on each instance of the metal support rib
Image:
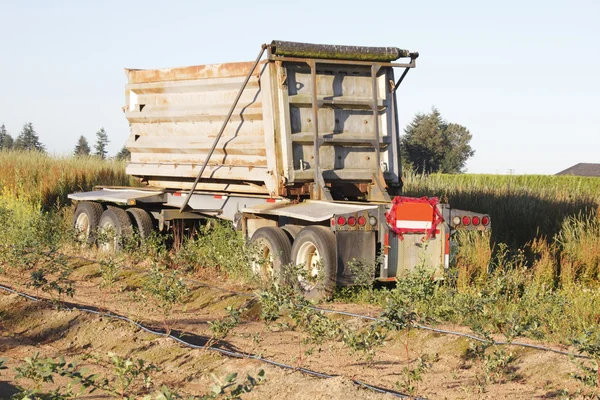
(214, 145)
(401, 78)
(378, 191)
(320, 191)
(315, 112)
(374, 70)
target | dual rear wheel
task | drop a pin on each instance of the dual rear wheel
(110, 227)
(310, 262)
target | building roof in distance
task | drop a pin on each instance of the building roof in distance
(582, 169)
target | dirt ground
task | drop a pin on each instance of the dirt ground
(27, 327)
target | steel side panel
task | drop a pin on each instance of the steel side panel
(118, 196)
(413, 250)
(312, 211)
(175, 115)
(228, 205)
(345, 122)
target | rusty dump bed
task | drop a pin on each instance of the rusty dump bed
(268, 145)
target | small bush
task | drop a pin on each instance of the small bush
(166, 290)
(216, 245)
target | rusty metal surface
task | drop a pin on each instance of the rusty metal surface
(209, 71)
(354, 122)
(175, 115)
(269, 144)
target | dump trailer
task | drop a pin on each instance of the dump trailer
(299, 150)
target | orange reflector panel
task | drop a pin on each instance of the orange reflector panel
(414, 215)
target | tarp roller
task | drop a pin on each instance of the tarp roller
(338, 52)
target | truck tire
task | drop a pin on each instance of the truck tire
(142, 222)
(85, 221)
(274, 249)
(116, 225)
(292, 231)
(314, 251)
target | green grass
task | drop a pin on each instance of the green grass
(522, 207)
(546, 276)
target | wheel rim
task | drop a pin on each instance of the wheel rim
(109, 236)
(82, 227)
(264, 265)
(309, 257)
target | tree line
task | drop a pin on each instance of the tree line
(430, 144)
(28, 140)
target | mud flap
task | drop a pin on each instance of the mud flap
(354, 245)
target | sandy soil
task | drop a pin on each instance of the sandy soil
(26, 327)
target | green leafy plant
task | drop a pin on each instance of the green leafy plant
(126, 372)
(221, 328)
(494, 362)
(51, 274)
(271, 303)
(167, 290)
(366, 340)
(315, 323)
(109, 272)
(362, 272)
(227, 388)
(2, 362)
(230, 389)
(43, 370)
(588, 343)
(413, 375)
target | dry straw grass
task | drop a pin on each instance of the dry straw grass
(47, 180)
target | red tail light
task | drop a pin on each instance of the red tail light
(475, 220)
(341, 221)
(351, 221)
(362, 221)
(466, 220)
(485, 221)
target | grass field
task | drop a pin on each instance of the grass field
(522, 207)
(45, 180)
(536, 276)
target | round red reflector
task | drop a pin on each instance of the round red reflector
(341, 221)
(466, 220)
(351, 221)
(485, 221)
(475, 220)
(362, 221)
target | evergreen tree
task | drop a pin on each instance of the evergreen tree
(430, 144)
(28, 140)
(101, 143)
(123, 154)
(82, 148)
(6, 141)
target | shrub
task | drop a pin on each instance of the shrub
(166, 291)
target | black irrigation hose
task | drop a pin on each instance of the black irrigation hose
(349, 314)
(453, 333)
(229, 353)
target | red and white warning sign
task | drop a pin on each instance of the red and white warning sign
(412, 215)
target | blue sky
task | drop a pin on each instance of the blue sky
(522, 76)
